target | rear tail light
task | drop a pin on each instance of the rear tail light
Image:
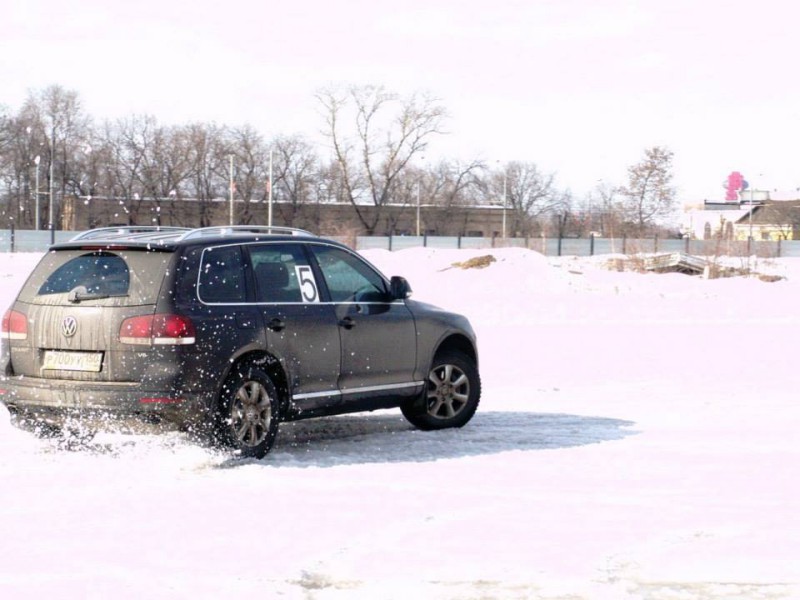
(15, 325)
(158, 329)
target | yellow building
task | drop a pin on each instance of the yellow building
(759, 218)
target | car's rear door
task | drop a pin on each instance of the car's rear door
(301, 331)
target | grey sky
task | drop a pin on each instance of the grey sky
(579, 87)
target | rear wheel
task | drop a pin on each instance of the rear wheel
(247, 419)
(451, 396)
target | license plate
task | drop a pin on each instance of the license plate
(73, 361)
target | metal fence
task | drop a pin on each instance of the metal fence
(39, 241)
(15, 240)
(590, 246)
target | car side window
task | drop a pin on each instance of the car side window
(279, 269)
(222, 278)
(349, 279)
(99, 272)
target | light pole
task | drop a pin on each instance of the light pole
(750, 220)
(269, 191)
(419, 180)
(750, 214)
(230, 192)
(52, 177)
(418, 229)
(37, 160)
(505, 199)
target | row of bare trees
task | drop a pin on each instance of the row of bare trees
(50, 148)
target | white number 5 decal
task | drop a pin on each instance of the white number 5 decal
(308, 285)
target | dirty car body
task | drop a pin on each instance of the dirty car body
(227, 331)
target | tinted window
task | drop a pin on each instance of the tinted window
(222, 275)
(60, 269)
(349, 279)
(277, 269)
(99, 273)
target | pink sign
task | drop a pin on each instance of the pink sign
(735, 184)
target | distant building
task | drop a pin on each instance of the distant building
(78, 214)
(773, 220)
(755, 214)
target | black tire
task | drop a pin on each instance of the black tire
(451, 395)
(248, 412)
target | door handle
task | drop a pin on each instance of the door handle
(276, 324)
(347, 323)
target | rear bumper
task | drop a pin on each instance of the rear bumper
(57, 401)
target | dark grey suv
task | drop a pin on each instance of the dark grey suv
(227, 331)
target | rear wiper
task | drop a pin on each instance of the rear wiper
(80, 293)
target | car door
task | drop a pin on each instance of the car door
(378, 336)
(301, 330)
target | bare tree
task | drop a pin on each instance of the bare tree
(250, 166)
(124, 143)
(451, 185)
(648, 197)
(51, 126)
(144, 141)
(375, 134)
(207, 152)
(5, 135)
(65, 127)
(600, 211)
(527, 194)
(296, 176)
(144, 166)
(18, 168)
(377, 138)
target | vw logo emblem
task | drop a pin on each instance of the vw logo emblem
(69, 326)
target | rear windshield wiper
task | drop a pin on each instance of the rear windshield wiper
(80, 293)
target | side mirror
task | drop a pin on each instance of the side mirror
(400, 288)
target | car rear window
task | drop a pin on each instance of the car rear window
(98, 273)
(122, 277)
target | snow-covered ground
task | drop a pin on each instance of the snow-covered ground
(637, 438)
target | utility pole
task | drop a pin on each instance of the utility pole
(37, 160)
(269, 191)
(52, 179)
(418, 223)
(230, 191)
(505, 199)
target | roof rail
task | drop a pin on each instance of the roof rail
(233, 229)
(110, 232)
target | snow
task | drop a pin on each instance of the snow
(635, 439)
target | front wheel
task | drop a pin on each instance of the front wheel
(248, 412)
(451, 396)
